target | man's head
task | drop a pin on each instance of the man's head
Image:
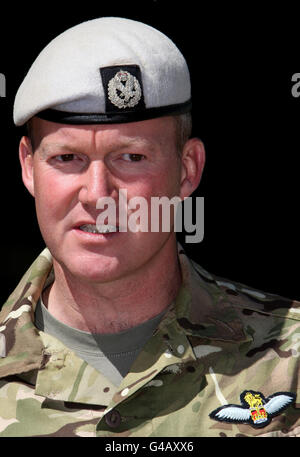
(107, 105)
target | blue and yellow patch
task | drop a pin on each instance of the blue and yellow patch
(255, 409)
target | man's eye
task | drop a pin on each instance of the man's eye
(133, 157)
(65, 157)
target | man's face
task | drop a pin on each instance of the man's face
(73, 166)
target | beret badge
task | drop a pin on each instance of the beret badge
(124, 90)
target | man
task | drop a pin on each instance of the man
(114, 331)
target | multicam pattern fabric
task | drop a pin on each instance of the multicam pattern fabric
(219, 339)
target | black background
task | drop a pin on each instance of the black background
(241, 61)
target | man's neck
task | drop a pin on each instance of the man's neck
(118, 305)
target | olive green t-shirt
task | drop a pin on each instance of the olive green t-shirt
(111, 354)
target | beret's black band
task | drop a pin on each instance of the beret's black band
(63, 117)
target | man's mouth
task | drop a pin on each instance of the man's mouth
(92, 228)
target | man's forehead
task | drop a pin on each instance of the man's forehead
(49, 146)
(150, 133)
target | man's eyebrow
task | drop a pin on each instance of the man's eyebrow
(47, 149)
(136, 142)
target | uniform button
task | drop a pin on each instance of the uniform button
(113, 418)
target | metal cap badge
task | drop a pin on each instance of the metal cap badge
(123, 88)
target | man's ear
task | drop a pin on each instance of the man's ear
(192, 164)
(26, 160)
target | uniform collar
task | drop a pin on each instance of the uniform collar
(203, 308)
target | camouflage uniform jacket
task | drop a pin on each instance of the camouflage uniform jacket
(223, 362)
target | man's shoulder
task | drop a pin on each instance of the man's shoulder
(242, 296)
(20, 346)
(29, 286)
(226, 310)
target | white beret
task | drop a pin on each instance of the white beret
(106, 70)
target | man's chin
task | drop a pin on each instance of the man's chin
(88, 267)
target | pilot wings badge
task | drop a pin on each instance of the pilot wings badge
(256, 410)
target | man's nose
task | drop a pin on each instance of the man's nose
(96, 182)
